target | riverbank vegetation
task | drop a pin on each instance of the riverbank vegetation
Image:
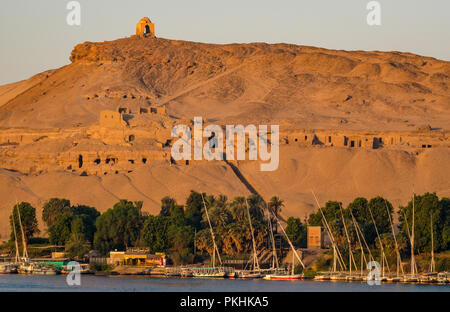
(183, 232)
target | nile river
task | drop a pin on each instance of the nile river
(92, 283)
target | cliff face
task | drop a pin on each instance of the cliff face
(348, 124)
(316, 87)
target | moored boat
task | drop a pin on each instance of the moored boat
(410, 278)
(393, 279)
(173, 272)
(322, 277)
(443, 278)
(186, 273)
(338, 277)
(215, 272)
(283, 277)
(84, 269)
(354, 278)
(8, 268)
(428, 278)
(37, 269)
(248, 274)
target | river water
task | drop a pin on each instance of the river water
(91, 283)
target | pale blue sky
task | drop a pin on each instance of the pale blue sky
(34, 35)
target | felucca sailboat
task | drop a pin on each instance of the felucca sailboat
(213, 271)
(292, 275)
(337, 258)
(256, 271)
(411, 278)
(25, 265)
(11, 267)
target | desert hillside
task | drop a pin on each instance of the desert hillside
(255, 82)
(352, 123)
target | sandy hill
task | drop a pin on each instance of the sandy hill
(294, 86)
(316, 87)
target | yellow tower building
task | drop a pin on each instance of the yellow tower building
(145, 28)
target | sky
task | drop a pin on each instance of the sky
(34, 35)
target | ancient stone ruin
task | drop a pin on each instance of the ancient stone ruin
(127, 138)
(145, 28)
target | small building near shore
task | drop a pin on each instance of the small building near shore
(58, 254)
(137, 256)
(317, 237)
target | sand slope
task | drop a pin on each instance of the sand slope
(334, 174)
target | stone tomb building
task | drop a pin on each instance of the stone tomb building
(145, 28)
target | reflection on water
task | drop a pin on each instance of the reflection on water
(145, 283)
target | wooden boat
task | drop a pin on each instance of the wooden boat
(255, 272)
(287, 276)
(338, 277)
(8, 268)
(24, 264)
(283, 277)
(186, 273)
(393, 279)
(173, 274)
(232, 275)
(428, 278)
(214, 272)
(354, 278)
(443, 278)
(410, 278)
(33, 268)
(84, 269)
(46, 270)
(248, 274)
(322, 277)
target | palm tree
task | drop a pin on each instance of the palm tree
(239, 209)
(233, 239)
(275, 204)
(222, 201)
(220, 216)
(203, 241)
(256, 205)
(261, 232)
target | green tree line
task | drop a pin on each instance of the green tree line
(183, 230)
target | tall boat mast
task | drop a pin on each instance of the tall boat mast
(213, 237)
(399, 258)
(350, 253)
(409, 236)
(290, 243)
(413, 260)
(25, 252)
(383, 255)
(274, 250)
(255, 256)
(432, 263)
(15, 240)
(359, 236)
(336, 254)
